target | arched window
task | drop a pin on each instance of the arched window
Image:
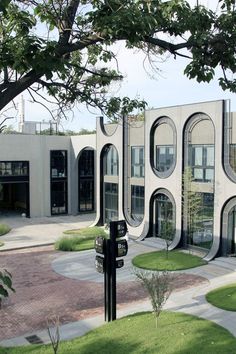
(164, 219)
(163, 147)
(199, 161)
(110, 183)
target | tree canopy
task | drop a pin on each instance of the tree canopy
(65, 46)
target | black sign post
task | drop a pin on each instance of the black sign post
(111, 248)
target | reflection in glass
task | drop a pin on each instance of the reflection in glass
(164, 157)
(231, 232)
(200, 226)
(111, 162)
(137, 202)
(164, 215)
(111, 202)
(137, 161)
(58, 182)
(164, 146)
(86, 180)
(201, 160)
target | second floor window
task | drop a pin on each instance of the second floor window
(111, 162)
(137, 161)
(164, 157)
(201, 160)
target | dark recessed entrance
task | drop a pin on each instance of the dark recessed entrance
(14, 187)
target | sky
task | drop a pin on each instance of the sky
(169, 88)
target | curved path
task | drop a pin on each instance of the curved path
(49, 282)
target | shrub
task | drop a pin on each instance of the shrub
(4, 229)
(5, 284)
(159, 287)
(79, 240)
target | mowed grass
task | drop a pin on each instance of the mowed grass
(79, 240)
(158, 261)
(4, 229)
(223, 297)
(176, 333)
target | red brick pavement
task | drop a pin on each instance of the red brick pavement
(41, 293)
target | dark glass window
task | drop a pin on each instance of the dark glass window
(201, 230)
(14, 168)
(137, 202)
(86, 180)
(58, 163)
(111, 202)
(59, 182)
(137, 161)
(164, 215)
(201, 160)
(111, 162)
(164, 157)
(59, 197)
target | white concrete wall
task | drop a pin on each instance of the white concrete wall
(36, 150)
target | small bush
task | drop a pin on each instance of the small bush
(4, 229)
(79, 240)
(1, 243)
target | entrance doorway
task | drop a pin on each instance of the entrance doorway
(14, 188)
(14, 198)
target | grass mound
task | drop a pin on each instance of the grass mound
(176, 333)
(79, 240)
(223, 297)
(158, 261)
(4, 229)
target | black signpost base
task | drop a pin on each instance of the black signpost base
(111, 248)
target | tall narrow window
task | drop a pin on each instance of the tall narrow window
(164, 215)
(59, 182)
(111, 202)
(86, 180)
(200, 226)
(137, 202)
(111, 161)
(137, 161)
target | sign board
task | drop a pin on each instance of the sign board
(99, 244)
(100, 264)
(119, 263)
(121, 248)
(121, 228)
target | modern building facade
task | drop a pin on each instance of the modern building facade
(172, 174)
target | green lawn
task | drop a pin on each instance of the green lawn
(158, 261)
(79, 240)
(176, 333)
(224, 297)
(4, 229)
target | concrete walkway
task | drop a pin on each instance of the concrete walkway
(191, 301)
(31, 232)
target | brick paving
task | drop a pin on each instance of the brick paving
(41, 293)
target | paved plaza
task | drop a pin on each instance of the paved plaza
(49, 281)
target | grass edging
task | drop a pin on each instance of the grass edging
(177, 333)
(158, 260)
(223, 297)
